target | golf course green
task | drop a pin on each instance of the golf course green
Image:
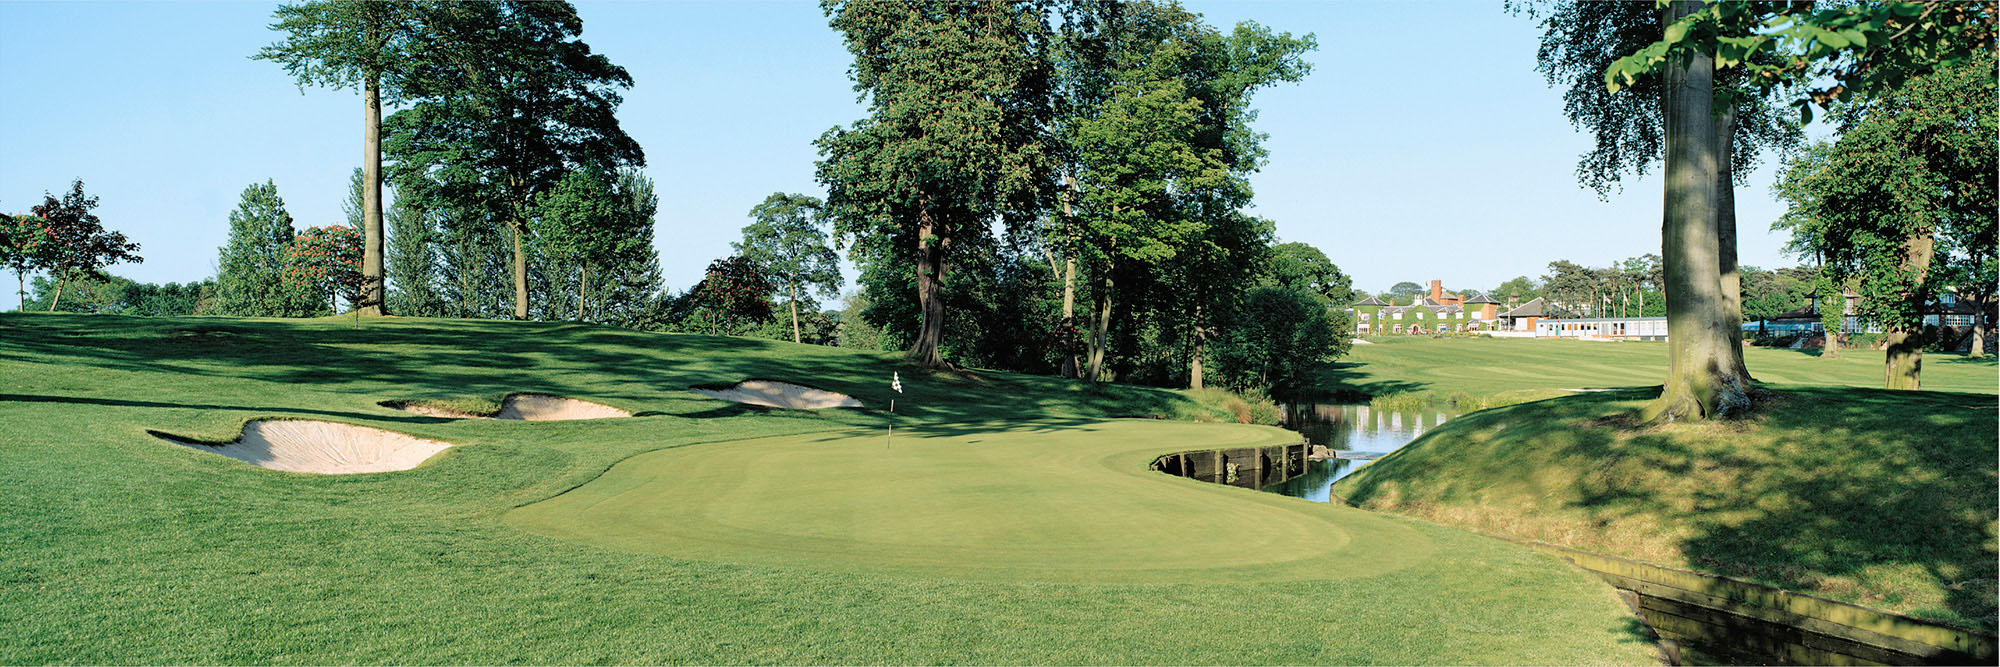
(1045, 501)
(1012, 519)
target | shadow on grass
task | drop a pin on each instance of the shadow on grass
(1886, 498)
(445, 359)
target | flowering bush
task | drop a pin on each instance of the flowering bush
(325, 262)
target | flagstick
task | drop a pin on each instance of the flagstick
(892, 424)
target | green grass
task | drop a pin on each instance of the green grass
(1489, 366)
(1010, 522)
(1877, 497)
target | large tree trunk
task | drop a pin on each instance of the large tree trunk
(795, 312)
(372, 293)
(930, 292)
(1904, 361)
(1099, 328)
(1725, 236)
(520, 271)
(1701, 381)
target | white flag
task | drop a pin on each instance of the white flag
(896, 382)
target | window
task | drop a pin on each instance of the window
(1397, 315)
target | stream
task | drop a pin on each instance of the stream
(1355, 432)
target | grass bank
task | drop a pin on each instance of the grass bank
(817, 543)
(1881, 498)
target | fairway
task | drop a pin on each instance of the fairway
(1037, 502)
(1399, 364)
(1013, 520)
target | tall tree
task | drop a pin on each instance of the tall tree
(957, 94)
(1580, 41)
(631, 278)
(248, 283)
(1912, 167)
(346, 45)
(81, 246)
(413, 258)
(787, 244)
(583, 223)
(511, 102)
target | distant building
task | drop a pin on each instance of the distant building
(1603, 328)
(1437, 312)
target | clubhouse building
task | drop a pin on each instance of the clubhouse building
(1443, 312)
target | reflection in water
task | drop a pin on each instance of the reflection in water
(1350, 430)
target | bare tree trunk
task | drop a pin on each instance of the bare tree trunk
(1904, 361)
(930, 292)
(1101, 326)
(1070, 362)
(795, 312)
(62, 279)
(520, 272)
(582, 288)
(1725, 237)
(1200, 344)
(372, 292)
(1979, 330)
(1702, 382)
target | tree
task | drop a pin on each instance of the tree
(732, 296)
(368, 45)
(1572, 286)
(512, 102)
(583, 222)
(1768, 294)
(1581, 40)
(1406, 293)
(249, 283)
(413, 262)
(80, 245)
(1521, 289)
(1912, 166)
(957, 94)
(26, 246)
(787, 245)
(1279, 339)
(1299, 266)
(631, 277)
(323, 264)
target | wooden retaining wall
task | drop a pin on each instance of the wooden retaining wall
(1255, 467)
(1739, 621)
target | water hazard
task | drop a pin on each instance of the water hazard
(1357, 434)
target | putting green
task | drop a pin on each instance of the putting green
(1069, 502)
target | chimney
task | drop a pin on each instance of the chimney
(1437, 291)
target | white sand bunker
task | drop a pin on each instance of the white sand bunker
(529, 407)
(322, 447)
(771, 393)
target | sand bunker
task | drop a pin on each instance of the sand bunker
(529, 407)
(775, 394)
(321, 447)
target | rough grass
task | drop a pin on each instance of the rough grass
(1877, 497)
(118, 548)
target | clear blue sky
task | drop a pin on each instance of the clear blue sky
(1423, 146)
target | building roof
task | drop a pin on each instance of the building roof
(1535, 307)
(1482, 298)
(1370, 301)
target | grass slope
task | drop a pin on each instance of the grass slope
(118, 548)
(1882, 498)
(1495, 365)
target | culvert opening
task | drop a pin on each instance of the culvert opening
(775, 394)
(318, 447)
(526, 407)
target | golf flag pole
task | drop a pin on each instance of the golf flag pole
(896, 383)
